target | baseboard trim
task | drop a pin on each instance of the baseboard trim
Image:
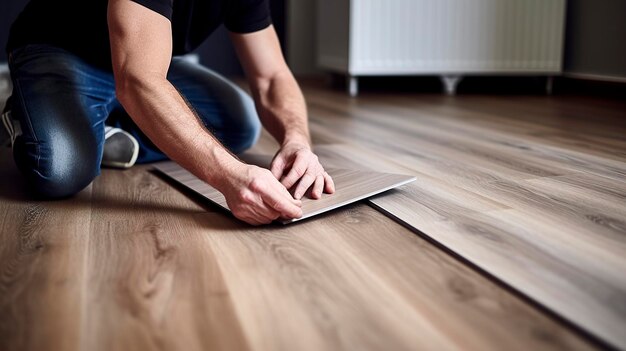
(595, 77)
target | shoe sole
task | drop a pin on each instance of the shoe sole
(134, 157)
(8, 126)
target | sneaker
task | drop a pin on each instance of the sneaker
(120, 148)
(11, 129)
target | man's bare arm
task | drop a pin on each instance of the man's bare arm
(283, 112)
(141, 47)
(281, 106)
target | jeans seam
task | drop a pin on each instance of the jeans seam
(28, 122)
(26, 112)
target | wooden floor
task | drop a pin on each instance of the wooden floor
(530, 189)
(511, 238)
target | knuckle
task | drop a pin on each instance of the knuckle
(240, 196)
(276, 205)
(299, 170)
(246, 197)
(256, 184)
(238, 212)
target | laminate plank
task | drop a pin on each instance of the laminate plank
(42, 270)
(435, 146)
(350, 186)
(585, 290)
(603, 193)
(155, 283)
(419, 129)
(442, 197)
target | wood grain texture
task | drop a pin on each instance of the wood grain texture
(42, 253)
(529, 189)
(132, 264)
(350, 186)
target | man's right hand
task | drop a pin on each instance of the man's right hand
(255, 196)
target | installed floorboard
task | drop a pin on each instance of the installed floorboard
(154, 283)
(529, 189)
(43, 247)
(133, 263)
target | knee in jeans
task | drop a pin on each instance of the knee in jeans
(251, 132)
(53, 171)
(246, 136)
(248, 128)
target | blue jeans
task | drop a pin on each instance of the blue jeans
(62, 104)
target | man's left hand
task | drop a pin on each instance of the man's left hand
(295, 163)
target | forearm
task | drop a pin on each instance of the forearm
(162, 114)
(282, 108)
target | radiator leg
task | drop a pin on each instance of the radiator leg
(353, 86)
(450, 83)
(549, 85)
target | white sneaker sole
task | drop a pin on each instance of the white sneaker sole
(110, 131)
(10, 127)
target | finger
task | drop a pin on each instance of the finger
(260, 222)
(250, 220)
(266, 213)
(261, 211)
(253, 222)
(263, 220)
(271, 214)
(318, 187)
(304, 184)
(298, 169)
(329, 184)
(242, 212)
(261, 214)
(278, 166)
(281, 201)
(253, 209)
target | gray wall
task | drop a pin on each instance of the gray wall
(217, 53)
(596, 37)
(301, 38)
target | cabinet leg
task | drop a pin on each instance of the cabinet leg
(353, 86)
(549, 85)
(450, 83)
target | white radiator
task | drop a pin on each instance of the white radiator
(407, 37)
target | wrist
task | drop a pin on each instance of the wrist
(297, 138)
(221, 167)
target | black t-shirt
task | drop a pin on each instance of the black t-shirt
(80, 26)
